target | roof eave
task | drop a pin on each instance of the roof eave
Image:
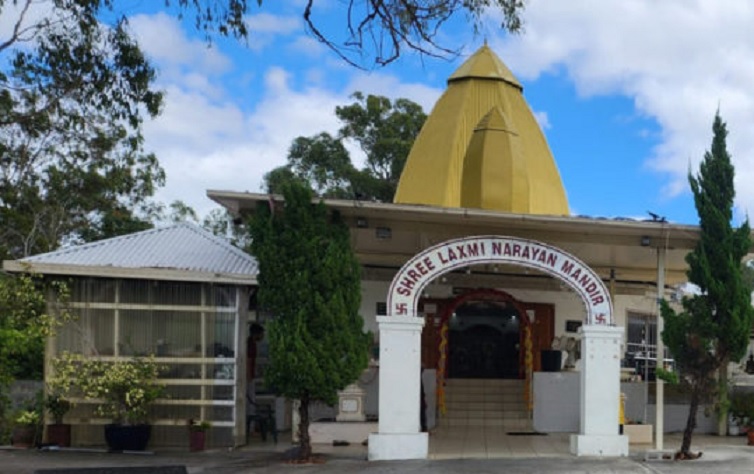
(165, 274)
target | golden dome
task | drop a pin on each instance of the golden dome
(481, 147)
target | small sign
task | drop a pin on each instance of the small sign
(349, 405)
(573, 325)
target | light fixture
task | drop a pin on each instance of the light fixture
(645, 241)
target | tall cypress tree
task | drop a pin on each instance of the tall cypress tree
(310, 282)
(713, 327)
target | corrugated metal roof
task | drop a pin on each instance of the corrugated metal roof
(182, 246)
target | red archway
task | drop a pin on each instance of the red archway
(484, 294)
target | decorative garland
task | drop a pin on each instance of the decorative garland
(528, 367)
(441, 366)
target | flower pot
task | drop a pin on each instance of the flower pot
(127, 437)
(23, 436)
(750, 437)
(197, 440)
(59, 434)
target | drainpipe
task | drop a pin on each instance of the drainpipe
(660, 362)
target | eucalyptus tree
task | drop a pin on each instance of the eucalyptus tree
(383, 130)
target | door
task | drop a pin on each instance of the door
(542, 319)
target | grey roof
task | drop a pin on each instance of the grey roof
(182, 246)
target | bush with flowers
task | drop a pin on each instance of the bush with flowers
(124, 389)
(27, 418)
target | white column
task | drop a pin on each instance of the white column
(399, 435)
(660, 363)
(600, 393)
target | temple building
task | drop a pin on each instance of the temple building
(477, 277)
(486, 298)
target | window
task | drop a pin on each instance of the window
(641, 333)
(641, 344)
(190, 327)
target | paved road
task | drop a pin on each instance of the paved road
(716, 460)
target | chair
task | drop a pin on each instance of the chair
(265, 419)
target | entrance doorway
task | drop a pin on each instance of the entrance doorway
(483, 341)
(401, 335)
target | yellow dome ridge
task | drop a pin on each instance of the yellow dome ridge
(481, 147)
(489, 180)
(484, 64)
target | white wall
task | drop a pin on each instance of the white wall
(372, 292)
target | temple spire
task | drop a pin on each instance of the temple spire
(481, 147)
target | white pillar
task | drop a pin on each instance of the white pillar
(600, 393)
(399, 435)
(660, 363)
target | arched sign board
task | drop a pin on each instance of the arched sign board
(417, 273)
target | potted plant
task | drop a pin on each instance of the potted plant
(198, 434)
(25, 424)
(123, 389)
(742, 411)
(58, 433)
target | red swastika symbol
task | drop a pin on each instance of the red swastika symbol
(401, 309)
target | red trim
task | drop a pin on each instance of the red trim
(484, 294)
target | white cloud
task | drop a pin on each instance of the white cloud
(212, 144)
(268, 23)
(391, 87)
(308, 46)
(265, 27)
(164, 41)
(14, 15)
(542, 119)
(205, 144)
(678, 60)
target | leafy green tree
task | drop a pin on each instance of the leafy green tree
(383, 28)
(222, 224)
(309, 281)
(385, 132)
(25, 323)
(73, 93)
(323, 162)
(713, 327)
(747, 269)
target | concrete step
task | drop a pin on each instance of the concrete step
(493, 415)
(486, 403)
(485, 382)
(485, 406)
(455, 396)
(483, 386)
(511, 425)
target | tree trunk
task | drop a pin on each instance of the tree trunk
(690, 424)
(305, 444)
(722, 399)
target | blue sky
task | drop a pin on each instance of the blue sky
(625, 90)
